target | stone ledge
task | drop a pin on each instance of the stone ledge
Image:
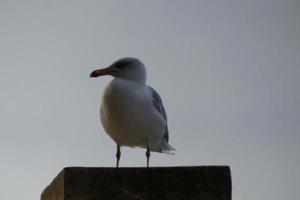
(155, 183)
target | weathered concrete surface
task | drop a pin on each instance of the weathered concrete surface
(157, 183)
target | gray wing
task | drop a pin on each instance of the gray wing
(160, 108)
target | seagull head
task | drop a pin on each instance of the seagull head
(125, 68)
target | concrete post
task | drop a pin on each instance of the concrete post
(155, 183)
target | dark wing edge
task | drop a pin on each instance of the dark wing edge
(160, 108)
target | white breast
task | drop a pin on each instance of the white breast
(129, 116)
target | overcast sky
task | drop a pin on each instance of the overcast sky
(228, 73)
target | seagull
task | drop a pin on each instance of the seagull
(131, 112)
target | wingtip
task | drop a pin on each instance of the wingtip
(168, 149)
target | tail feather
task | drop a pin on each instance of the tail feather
(167, 148)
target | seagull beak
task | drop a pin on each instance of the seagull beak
(102, 72)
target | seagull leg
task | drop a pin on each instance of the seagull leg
(148, 156)
(118, 155)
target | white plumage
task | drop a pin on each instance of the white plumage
(131, 112)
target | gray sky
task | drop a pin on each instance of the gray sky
(228, 73)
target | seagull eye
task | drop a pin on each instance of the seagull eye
(121, 65)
